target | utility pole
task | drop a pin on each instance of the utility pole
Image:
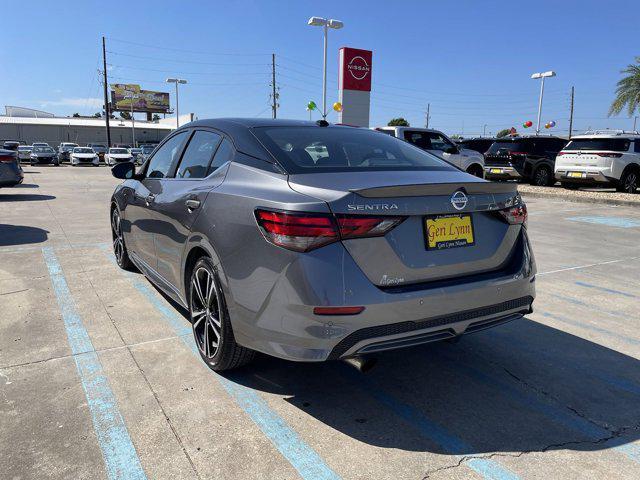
(107, 113)
(427, 118)
(571, 114)
(274, 98)
(635, 120)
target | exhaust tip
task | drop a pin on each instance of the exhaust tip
(362, 364)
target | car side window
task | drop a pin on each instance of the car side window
(225, 153)
(439, 142)
(636, 147)
(419, 139)
(166, 156)
(197, 155)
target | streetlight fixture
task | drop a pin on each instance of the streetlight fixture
(177, 81)
(542, 75)
(326, 24)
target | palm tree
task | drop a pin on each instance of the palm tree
(628, 91)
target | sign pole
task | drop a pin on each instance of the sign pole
(107, 113)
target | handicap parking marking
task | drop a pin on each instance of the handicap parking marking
(307, 462)
(620, 222)
(120, 456)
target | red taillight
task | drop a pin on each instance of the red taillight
(562, 153)
(337, 310)
(515, 215)
(517, 153)
(7, 159)
(607, 154)
(305, 231)
(355, 226)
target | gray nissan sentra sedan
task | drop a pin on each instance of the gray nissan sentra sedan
(310, 242)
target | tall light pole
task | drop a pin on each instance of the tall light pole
(326, 24)
(542, 75)
(177, 81)
(132, 96)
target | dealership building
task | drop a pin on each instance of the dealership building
(28, 126)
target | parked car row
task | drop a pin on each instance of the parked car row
(598, 158)
(93, 153)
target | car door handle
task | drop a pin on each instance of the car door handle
(192, 204)
(149, 199)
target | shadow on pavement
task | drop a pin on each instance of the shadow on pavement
(27, 197)
(521, 387)
(21, 235)
(26, 185)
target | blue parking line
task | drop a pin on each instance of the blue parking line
(120, 456)
(293, 448)
(489, 469)
(606, 290)
(620, 222)
(580, 303)
(588, 326)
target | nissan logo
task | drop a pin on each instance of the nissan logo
(459, 200)
(358, 68)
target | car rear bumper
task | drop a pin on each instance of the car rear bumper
(394, 317)
(593, 175)
(501, 172)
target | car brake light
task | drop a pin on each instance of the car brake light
(608, 154)
(515, 215)
(517, 153)
(302, 232)
(7, 158)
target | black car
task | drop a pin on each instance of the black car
(99, 148)
(480, 144)
(44, 155)
(530, 159)
(11, 173)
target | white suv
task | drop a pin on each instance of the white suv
(603, 157)
(436, 142)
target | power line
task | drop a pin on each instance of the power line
(131, 67)
(196, 52)
(121, 54)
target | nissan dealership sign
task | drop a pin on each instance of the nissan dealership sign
(354, 85)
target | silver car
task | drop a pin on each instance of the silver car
(311, 242)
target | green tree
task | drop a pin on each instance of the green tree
(398, 122)
(125, 115)
(155, 117)
(503, 133)
(75, 114)
(97, 114)
(628, 90)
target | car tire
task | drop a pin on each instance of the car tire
(542, 177)
(476, 171)
(210, 320)
(630, 181)
(119, 246)
(570, 186)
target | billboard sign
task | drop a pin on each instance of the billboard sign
(355, 69)
(143, 100)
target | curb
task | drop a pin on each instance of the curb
(581, 199)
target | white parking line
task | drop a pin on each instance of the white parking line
(588, 265)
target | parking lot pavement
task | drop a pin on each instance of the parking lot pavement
(99, 378)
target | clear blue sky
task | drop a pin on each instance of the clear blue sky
(471, 60)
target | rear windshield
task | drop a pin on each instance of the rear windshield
(336, 149)
(82, 150)
(612, 144)
(118, 150)
(147, 149)
(43, 150)
(509, 146)
(25, 149)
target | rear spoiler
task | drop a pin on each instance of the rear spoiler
(419, 190)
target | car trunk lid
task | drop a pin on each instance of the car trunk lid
(425, 200)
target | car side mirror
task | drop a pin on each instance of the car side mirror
(124, 170)
(452, 150)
